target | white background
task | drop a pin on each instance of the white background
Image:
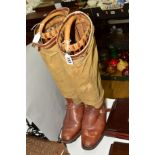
(13, 77)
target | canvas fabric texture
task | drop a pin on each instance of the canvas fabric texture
(80, 81)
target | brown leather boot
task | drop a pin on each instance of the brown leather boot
(93, 125)
(72, 122)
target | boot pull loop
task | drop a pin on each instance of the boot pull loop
(51, 25)
(51, 15)
(54, 17)
(45, 20)
(67, 33)
(83, 28)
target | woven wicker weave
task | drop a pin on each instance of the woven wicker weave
(40, 146)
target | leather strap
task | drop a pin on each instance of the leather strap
(52, 27)
(68, 27)
(73, 47)
(83, 26)
(76, 46)
(49, 27)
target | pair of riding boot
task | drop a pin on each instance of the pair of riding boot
(84, 120)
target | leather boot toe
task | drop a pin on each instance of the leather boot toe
(93, 126)
(72, 122)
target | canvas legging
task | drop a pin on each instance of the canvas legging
(81, 80)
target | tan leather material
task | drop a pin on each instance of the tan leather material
(93, 126)
(83, 33)
(68, 27)
(48, 44)
(49, 27)
(58, 12)
(72, 121)
(54, 21)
